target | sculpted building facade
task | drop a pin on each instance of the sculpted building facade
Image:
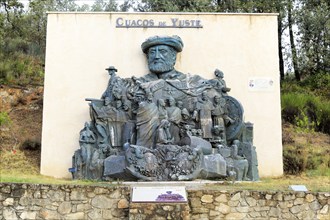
(165, 125)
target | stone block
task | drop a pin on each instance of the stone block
(64, 208)
(49, 214)
(315, 205)
(102, 202)
(168, 208)
(195, 202)
(310, 198)
(95, 214)
(115, 194)
(100, 190)
(236, 197)
(56, 195)
(5, 189)
(221, 198)
(233, 203)
(243, 209)
(77, 195)
(75, 216)
(289, 197)
(8, 202)
(207, 199)
(28, 215)
(324, 210)
(251, 201)
(235, 216)
(254, 215)
(9, 214)
(268, 197)
(278, 196)
(274, 212)
(224, 209)
(123, 204)
(83, 207)
(213, 166)
(107, 214)
(214, 213)
(298, 201)
(114, 166)
(306, 215)
(296, 209)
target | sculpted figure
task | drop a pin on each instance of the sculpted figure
(147, 123)
(174, 116)
(163, 133)
(161, 54)
(219, 135)
(87, 140)
(206, 107)
(128, 110)
(186, 119)
(236, 165)
(219, 114)
(97, 161)
(113, 78)
(193, 109)
(118, 122)
(240, 162)
(179, 104)
(109, 121)
(100, 115)
(162, 109)
(219, 83)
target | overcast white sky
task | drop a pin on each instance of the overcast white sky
(78, 2)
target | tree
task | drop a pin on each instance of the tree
(101, 5)
(175, 5)
(292, 41)
(65, 5)
(313, 22)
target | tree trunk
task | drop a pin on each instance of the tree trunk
(293, 47)
(280, 53)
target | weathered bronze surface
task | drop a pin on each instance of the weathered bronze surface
(166, 125)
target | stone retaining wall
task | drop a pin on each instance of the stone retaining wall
(34, 201)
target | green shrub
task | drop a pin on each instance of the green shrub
(21, 69)
(306, 159)
(4, 118)
(294, 159)
(319, 84)
(306, 111)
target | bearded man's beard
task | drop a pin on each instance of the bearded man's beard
(161, 66)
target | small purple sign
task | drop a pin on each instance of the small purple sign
(159, 194)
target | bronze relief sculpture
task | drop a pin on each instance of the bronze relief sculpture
(165, 126)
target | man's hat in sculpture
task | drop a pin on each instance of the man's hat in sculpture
(111, 68)
(174, 42)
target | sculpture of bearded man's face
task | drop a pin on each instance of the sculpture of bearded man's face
(161, 59)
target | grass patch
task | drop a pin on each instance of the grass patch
(305, 152)
(16, 161)
(4, 119)
(15, 177)
(313, 184)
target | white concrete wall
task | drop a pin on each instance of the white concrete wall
(81, 45)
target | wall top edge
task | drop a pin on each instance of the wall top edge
(128, 187)
(164, 13)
